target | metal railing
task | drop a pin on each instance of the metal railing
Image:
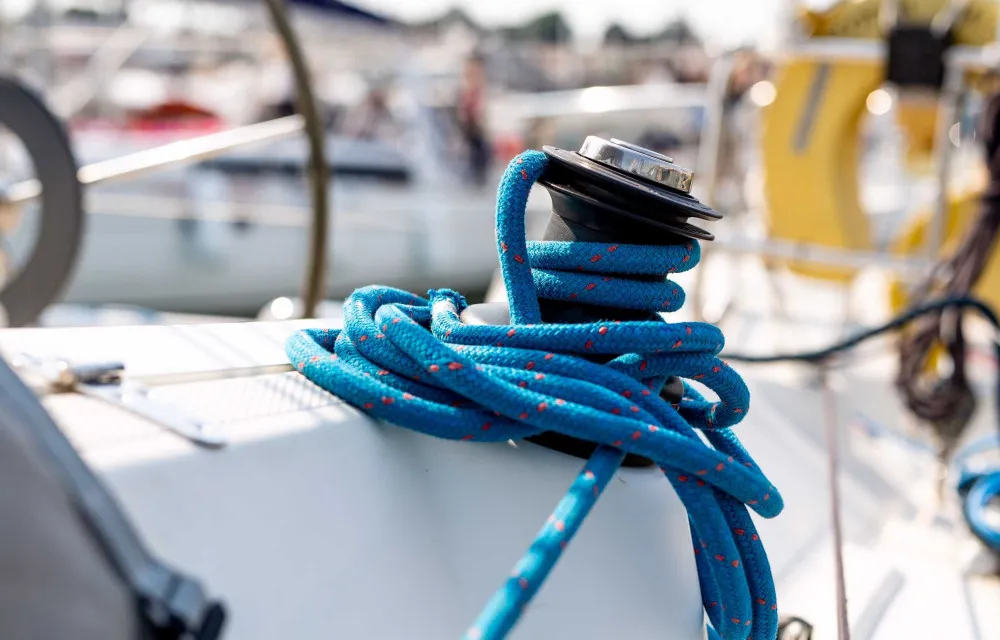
(170, 155)
(959, 59)
(121, 45)
(113, 53)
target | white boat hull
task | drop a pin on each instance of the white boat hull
(226, 258)
(316, 522)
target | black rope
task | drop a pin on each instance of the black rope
(947, 403)
(823, 356)
(820, 355)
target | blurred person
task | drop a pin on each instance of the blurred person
(690, 65)
(275, 90)
(471, 115)
(372, 119)
(654, 72)
(731, 167)
(541, 131)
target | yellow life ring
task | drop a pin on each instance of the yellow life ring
(810, 153)
(811, 131)
(975, 26)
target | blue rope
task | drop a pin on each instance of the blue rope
(978, 488)
(411, 361)
(984, 490)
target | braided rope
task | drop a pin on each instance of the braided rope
(978, 486)
(412, 362)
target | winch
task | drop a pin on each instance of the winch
(580, 360)
(616, 192)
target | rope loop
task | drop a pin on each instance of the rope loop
(412, 361)
(979, 485)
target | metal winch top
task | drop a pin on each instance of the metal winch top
(638, 161)
(616, 191)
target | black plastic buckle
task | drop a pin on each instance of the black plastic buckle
(916, 56)
(170, 605)
(180, 610)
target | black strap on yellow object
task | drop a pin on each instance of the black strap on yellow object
(916, 56)
(169, 604)
(916, 51)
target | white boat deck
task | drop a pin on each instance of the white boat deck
(316, 522)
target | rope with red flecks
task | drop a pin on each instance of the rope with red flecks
(411, 361)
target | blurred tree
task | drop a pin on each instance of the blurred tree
(550, 28)
(452, 17)
(678, 31)
(617, 34)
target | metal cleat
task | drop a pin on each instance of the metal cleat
(107, 381)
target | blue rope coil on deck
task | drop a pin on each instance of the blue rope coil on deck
(412, 362)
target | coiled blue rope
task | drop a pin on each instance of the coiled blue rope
(412, 362)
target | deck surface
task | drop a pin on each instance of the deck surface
(913, 571)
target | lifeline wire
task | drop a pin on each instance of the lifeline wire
(412, 362)
(833, 478)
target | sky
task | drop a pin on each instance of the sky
(722, 22)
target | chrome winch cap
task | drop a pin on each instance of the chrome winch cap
(637, 161)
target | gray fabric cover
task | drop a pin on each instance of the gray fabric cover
(54, 581)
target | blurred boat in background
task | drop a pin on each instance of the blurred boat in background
(229, 234)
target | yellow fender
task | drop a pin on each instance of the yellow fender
(811, 132)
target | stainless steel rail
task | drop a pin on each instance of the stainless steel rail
(203, 147)
(319, 178)
(173, 154)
